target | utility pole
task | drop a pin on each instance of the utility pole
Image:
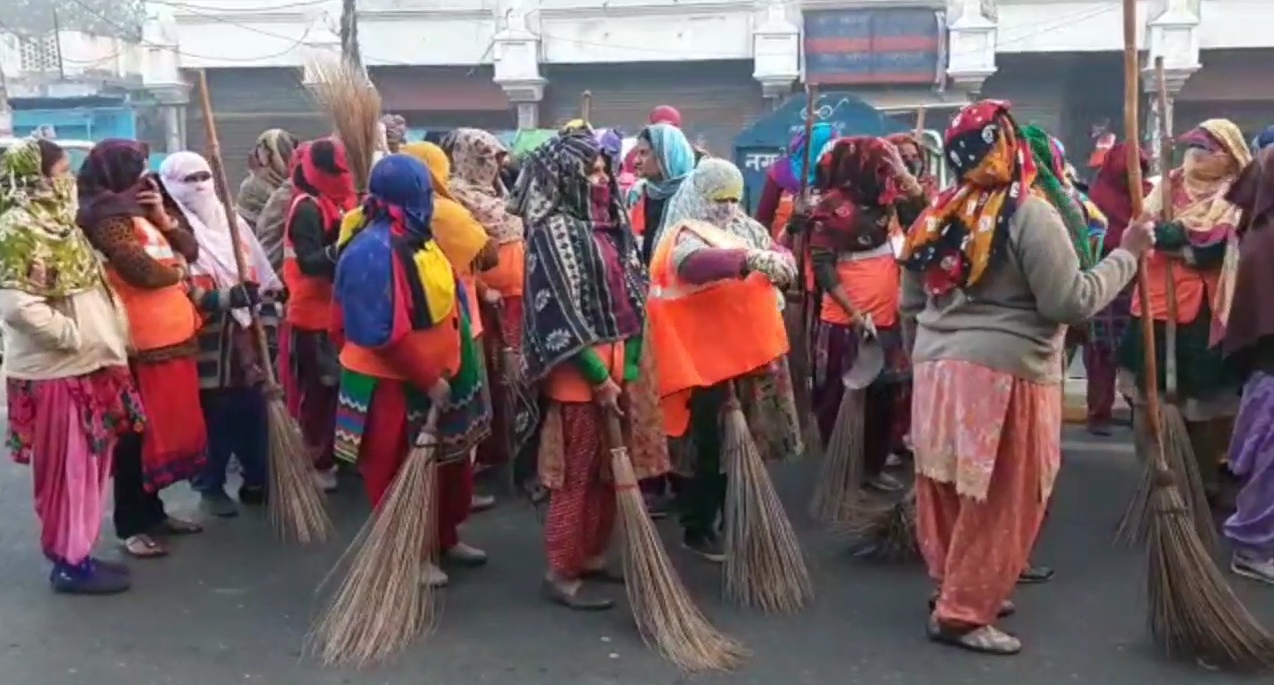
(6, 112)
(349, 33)
(57, 41)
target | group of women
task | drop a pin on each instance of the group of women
(538, 322)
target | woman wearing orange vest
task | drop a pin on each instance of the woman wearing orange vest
(147, 247)
(865, 193)
(322, 191)
(582, 344)
(716, 319)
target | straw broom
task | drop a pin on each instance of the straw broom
(343, 91)
(840, 476)
(798, 318)
(666, 617)
(296, 505)
(382, 605)
(1179, 451)
(1193, 613)
(764, 567)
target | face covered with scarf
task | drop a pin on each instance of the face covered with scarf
(109, 181)
(477, 157)
(273, 156)
(42, 251)
(712, 194)
(963, 231)
(187, 177)
(859, 180)
(320, 170)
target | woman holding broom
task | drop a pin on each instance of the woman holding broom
(990, 309)
(1198, 251)
(322, 191)
(865, 191)
(582, 343)
(148, 245)
(712, 254)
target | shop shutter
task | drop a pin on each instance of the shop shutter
(716, 99)
(1037, 97)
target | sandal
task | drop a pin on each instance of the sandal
(176, 526)
(144, 547)
(980, 639)
(1034, 575)
(575, 601)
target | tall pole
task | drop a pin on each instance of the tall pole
(349, 33)
(6, 112)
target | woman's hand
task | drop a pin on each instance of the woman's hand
(440, 392)
(776, 266)
(865, 326)
(492, 296)
(1139, 237)
(607, 395)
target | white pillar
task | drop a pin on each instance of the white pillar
(776, 51)
(517, 62)
(971, 43)
(1172, 33)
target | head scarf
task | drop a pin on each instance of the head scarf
(320, 170)
(270, 161)
(676, 159)
(207, 218)
(914, 154)
(457, 232)
(665, 114)
(713, 194)
(1050, 185)
(612, 143)
(963, 231)
(1201, 207)
(392, 278)
(858, 183)
(395, 131)
(1263, 140)
(42, 251)
(109, 180)
(475, 183)
(790, 169)
(1252, 309)
(1110, 191)
(585, 284)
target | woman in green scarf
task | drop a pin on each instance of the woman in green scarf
(71, 396)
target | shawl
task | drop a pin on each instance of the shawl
(676, 159)
(963, 232)
(394, 253)
(1198, 190)
(109, 180)
(476, 157)
(1263, 140)
(42, 251)
(571, 305)
(395, 127)
(271, 160)
(1051, 186)
(788, 170)
(458, 234)
(712, 194)
(320, 171)
(858, 184)
(188, 179)
(1252, 309)
(1110, 192)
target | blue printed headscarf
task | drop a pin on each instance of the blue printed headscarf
(788, 171)
(1263, 140)
(676, 159)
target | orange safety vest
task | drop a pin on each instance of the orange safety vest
(1192, 287)
(703, 335)
(782, 214)
(157, 317)
(309, 297)
(637, 215)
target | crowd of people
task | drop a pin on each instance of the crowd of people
(528, 303)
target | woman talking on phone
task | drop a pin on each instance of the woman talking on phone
(148, 247)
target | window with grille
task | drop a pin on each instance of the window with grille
(39, 53)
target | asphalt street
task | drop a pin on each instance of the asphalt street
(232, 606)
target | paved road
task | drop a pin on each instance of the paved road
(232, 608)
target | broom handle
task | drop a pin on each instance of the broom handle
(920, 120)
(1166, 214)
(586, 107)
(1131, 118)
(804, 304)
(232, 219)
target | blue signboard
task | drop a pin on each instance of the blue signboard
(765, 141)
(873, 46)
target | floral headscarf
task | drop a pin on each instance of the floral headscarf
(42, 251)
(476, 157)
(712, 193)
(858, 180)
(961, 235)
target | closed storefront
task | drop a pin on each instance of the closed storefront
(442, 97)
(1232, 84)
(717, 100)
(247, 102)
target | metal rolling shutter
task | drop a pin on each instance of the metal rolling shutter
(717, 100)
(1037, 97)
(247, 102)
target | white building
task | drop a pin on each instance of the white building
(503, 64)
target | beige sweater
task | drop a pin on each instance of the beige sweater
(64, 337)
(1015, 318)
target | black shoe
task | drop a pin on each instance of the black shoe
(1034, 575)
(706, 547)
(119, 568)
(87, 579)
(253, 495)
(656, 506)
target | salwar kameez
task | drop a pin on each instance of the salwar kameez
(988, 448)
(311, 389)
(582, 506)
(1251, 528)
(888, 399)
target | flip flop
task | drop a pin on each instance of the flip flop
(576, 601)
(143, 547)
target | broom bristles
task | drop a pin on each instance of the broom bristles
(889, 528)
(842, 462)
(1193, 612)
(296, 505)
(764, 567)
(666, 616)
(349, 98)
(1181, 463)
(381, 606)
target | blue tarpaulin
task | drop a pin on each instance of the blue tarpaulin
(759, 145)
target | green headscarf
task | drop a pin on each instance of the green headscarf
(1049, 162)
(42, 251)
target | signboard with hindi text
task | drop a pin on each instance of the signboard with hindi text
(881, 46)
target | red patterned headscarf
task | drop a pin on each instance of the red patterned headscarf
(962, 233)
(858, 183)
(320, 170)
(913, 155)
